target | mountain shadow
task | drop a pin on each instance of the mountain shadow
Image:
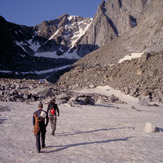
(33, 67)
(84, 49)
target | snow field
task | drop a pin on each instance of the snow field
(100, 133)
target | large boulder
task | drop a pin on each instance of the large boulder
(149, 128)
(85, 100)
(47, 92)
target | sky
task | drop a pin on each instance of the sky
(33, 12)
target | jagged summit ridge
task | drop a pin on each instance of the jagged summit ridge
(67, 26)
(60, 35)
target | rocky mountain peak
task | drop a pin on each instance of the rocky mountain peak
(62, 34)
(140, 76)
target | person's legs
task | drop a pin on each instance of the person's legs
(55, 124)
(43, 133)
(53, 121)
(38, 142)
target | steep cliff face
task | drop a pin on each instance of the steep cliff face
(113, 18)
(145, 37)
(148, 36)
(138, 77)
(125, 14)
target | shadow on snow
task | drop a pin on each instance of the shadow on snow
(98, 130)
(63, 147)
(2, 120)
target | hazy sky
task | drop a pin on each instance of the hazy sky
(33, 12)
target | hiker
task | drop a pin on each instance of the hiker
(39, 117)
(51, 110)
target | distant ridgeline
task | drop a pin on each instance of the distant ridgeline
(60, 42)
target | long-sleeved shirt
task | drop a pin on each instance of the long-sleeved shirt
(53, 105)
(38, 112)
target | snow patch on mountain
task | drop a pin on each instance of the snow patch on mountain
(74, 31)
(66, 55)
(70, 17)
(34, 45)
(77, 35)
(130, 57)
(55, 33)
(36, 72)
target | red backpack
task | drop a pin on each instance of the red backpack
(52, 111)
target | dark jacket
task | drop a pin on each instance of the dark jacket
(53, 105)
(39, 125)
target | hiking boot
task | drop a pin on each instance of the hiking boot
(43, 146)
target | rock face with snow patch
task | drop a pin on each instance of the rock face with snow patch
(21, 46)
(58, 36)
(11, 34)
(62, 34)
(112, 19)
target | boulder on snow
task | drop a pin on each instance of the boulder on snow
(149, 128)
(73, 103)
(85, 100)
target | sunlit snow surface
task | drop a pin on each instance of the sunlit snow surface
(112, 133)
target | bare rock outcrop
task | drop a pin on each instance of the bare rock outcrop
(112, 19)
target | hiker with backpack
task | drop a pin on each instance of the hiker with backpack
(39, 124)
(51, 110)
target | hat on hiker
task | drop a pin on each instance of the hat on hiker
(40, 105)
(52, 100)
